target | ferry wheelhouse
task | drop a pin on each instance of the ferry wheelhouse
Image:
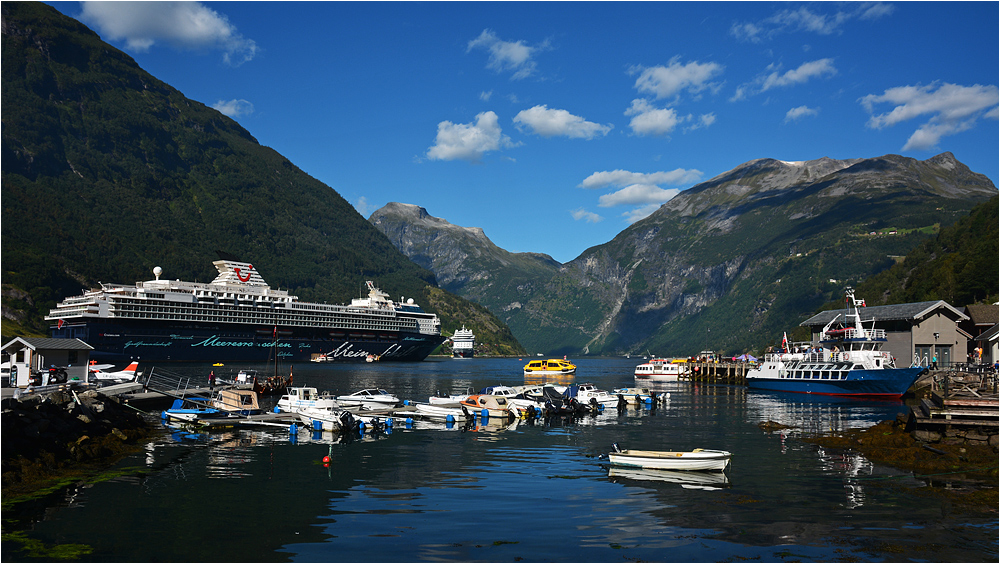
(239, 317)
(848, 362)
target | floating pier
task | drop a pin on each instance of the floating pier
(717, 372)
(959, 407)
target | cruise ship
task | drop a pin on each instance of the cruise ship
(239, 317)
(463, 343)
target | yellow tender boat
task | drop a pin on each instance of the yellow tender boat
(552, 366)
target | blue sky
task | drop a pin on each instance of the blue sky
(553, 126)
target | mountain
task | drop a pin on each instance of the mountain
(959, 265)
(728, 264)
(463, 259)
(108, 172)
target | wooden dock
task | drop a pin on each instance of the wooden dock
(959, 407)
(718, 372)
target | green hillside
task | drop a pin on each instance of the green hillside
(108, 172)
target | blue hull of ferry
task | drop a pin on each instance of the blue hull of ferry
(892, 382)
(123, 341)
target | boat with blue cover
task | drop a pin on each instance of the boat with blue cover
(848, 362)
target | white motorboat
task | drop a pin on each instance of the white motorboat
(583, 393)
(441, 412)
(297, 398)
(372, 398)
(320, 419)
(450, 399)
(697, 459)
(494, 406)
(660, 370)
(634, 396)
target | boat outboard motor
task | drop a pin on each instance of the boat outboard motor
(594, 406)
(347, 422)
(614, 447)
(622, 404)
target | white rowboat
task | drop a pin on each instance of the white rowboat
(697, 459)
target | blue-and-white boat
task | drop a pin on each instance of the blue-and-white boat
(848, 362)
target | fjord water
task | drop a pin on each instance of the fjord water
(536, 493)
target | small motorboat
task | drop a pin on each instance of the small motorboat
(550, 367)
(237, 402)
(584, 393)
(297, 398)
(442, 398)
(697, 459)
(441, 411)
(372, 398)
(320, 419)
(634, 396)
(494, 406)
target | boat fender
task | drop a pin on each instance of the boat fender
(485, 413)
(409, 422)
(361, 425)
(317, 425)
(293, 429)
(648, 400)
(388, 421)
(277, 409)
(450, 418)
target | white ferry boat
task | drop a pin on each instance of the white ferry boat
(238, 317)
(462, 343)
(848, 362)
(660, 370)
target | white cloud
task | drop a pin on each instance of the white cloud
(643, 212)
(800, 112)
(363, 207)
(638, 189)
(650, 120)
(589, 217)
(703, 120)
(952, 109)
(485, 96)
(512, 56)
(183, 25)
(637, 194)
(664, 81)
(234, 108)
(468, 141)
(776, 79)
(620, 177)
(550, 123)
(803, 19)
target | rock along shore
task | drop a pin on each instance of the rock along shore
(45, 437)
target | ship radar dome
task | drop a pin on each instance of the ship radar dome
(409, 301)
(157, 271)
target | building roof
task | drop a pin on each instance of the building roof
(990, 335)
(904, 312)
(983, 314)
(43, 343)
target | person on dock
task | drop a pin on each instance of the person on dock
(211, 380)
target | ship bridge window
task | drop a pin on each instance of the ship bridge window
(858, 367)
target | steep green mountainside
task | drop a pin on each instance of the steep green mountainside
(959, 266)
(463, 259)
(108, 172)
(726, 265)
(734, 261)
